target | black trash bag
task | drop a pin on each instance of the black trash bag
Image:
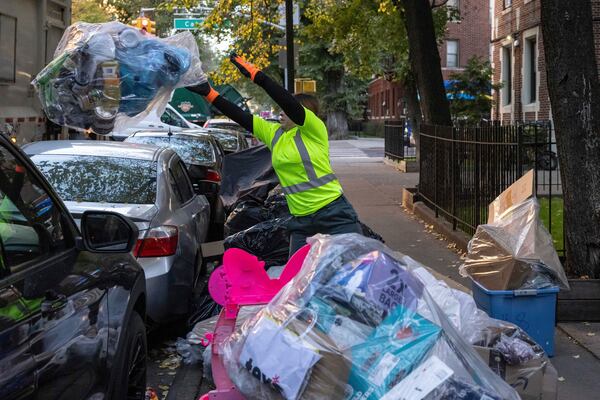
(245, 215)
(247, 175)
(269, 241)
(276, 207)
(203, 307)
(368, 232)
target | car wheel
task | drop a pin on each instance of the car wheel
(130, 373)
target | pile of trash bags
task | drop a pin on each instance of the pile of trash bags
(362, 321)
(257, 212)
(514, 250)
(107, 76)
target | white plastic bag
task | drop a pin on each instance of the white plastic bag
(278, 358)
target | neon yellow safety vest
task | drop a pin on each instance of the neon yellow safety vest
(300, 158)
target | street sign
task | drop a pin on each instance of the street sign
(187, 23)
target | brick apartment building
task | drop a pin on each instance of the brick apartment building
(519, 62)
(465, 38)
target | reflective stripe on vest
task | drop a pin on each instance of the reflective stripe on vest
(309, 168)
(276, 138)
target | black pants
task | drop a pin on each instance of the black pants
(335, 218)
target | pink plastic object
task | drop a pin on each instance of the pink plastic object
(241, 281)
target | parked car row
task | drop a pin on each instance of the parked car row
(73, 298)
(98, 240)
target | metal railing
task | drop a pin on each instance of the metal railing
(398, 145)
(464, 168)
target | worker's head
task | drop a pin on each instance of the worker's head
(307, 101)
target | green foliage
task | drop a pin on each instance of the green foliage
(470, 91)
(337, 90)
(90, 11)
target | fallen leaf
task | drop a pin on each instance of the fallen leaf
(173, 362)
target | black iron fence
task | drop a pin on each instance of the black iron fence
(464, 168)
(398, 143)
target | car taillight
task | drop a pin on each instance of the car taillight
(213, 176)
(158, 242)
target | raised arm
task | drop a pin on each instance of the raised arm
(282, 97)
(228, 109)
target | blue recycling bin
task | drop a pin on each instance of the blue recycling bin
(533, 310)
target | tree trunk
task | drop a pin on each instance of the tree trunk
(425, 61)
(414, 111)
(337, 117)
(337, 124)
(574, 90)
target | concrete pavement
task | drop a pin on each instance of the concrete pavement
(375, 190)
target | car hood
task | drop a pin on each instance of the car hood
(140, 214)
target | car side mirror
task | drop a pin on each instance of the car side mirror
(108, 232)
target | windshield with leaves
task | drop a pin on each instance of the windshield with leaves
(100, 179)
(192, 150)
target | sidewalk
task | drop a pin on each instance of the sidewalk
(375, 190)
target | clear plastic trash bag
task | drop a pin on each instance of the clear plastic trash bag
(354, 316)
(514, 251)
(108, 76)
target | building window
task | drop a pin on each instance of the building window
(452, 53)
(8, 48)
(530, 70)
(506, 76)
(507, 3)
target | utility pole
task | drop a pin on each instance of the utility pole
(289, 36)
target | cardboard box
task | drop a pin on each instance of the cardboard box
(516, 193)
(329, 375)
(534, 380)
(492, 265)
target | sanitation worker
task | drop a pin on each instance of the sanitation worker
(300, 156)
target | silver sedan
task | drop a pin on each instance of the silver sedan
(151, 186)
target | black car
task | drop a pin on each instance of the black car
(231, 141)
(203, 157)
(72, 302)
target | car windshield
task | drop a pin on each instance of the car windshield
(226, 125)
(192, 150)
(227, 140)
(100, 179)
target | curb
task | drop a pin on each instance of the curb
(402, 166)
(441, 226)
(411, 201)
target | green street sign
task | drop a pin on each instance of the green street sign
(187, 23)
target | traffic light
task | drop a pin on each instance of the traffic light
(152, 27)
(145, 24)
(305, 85)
